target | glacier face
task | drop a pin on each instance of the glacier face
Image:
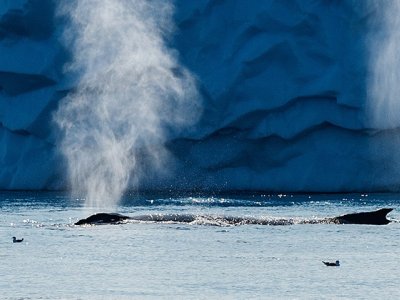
(284, 89)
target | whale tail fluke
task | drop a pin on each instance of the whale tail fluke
(377, 217)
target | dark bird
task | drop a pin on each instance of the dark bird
(15, 240)
(331, 264)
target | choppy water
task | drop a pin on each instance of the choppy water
(199, 260)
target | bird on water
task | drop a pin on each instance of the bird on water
(331, 264)
(15, 240)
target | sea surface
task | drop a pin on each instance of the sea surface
(205, 259)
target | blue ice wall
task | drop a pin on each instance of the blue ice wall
(283, 87)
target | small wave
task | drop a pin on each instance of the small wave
(243, 199)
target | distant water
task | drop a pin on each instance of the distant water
(200, 260)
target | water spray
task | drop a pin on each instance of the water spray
(384, 80)
(131, 91)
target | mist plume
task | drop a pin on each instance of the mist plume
(384, 80)
(130, 92)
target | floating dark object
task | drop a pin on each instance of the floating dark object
(103, 218)
(15, 240)
(377, 217)
(331, 264)
(372, 218)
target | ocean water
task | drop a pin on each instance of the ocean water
(205, 259)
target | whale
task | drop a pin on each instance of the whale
(377, 217)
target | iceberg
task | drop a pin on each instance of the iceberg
(284, 88)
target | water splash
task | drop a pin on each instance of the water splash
(384, 81)
(131, 92)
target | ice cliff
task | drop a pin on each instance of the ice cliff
(284, 91)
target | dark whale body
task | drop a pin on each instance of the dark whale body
(102, 218)
(377, 217)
